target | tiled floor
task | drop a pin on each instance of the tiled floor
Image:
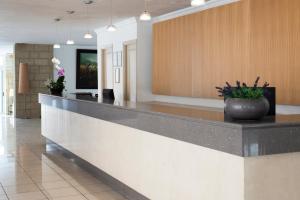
(32, 170)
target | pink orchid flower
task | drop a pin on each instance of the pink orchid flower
(61, 72)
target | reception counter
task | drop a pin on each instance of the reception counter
(168, 152)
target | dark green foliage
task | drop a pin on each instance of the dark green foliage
(58, 85)
(243, 92)
(247, 93)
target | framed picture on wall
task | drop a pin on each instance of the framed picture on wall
(117, 75)
(86, 69)
(120, 57)
(115, 59)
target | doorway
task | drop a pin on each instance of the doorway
(107, 68)
(7, 82)
(2, 102)
(130, 71)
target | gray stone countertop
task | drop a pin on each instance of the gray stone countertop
(203, 126)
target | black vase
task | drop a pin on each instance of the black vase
(56, 92)
(246, 109)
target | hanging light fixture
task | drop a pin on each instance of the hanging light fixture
(145, 16)
(111, 27)
(70, 41)
(196, 3)
(56, 45)
(88, 35)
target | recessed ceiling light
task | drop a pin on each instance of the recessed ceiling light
(70, 12)
(195, 3)
(88, 1)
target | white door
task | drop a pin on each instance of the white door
(130, 72)
(107, 68)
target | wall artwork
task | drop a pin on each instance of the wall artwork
(115, 59)
(117, 75)
(118, 59)
(86, 69)
(120, 63)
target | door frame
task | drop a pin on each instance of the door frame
(2, 88)
(125, 68)
(103, 65)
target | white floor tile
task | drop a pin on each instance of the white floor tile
(28, 172)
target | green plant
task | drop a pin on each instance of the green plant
(243, 91)
(58, 85)
(247, 93)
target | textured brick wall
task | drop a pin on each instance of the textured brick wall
(38, 57)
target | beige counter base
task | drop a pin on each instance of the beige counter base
(162, 168)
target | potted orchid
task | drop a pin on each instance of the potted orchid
(57, 87)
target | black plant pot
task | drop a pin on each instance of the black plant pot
(56, 92)
(246, 109)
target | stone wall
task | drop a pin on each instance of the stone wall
(38, 57)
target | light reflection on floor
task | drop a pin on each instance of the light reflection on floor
(32, 170)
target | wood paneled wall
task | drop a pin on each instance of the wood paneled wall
(239, 41)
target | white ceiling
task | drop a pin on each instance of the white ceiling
(32, 21)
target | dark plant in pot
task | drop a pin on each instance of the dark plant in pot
(243, 102)
(57, 87)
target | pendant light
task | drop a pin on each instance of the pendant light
(56, 45)
(196, 3)
(145, 16)
(70, 41)
(111, 27)
(88, 35)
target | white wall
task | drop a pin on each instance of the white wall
(144, 61)
(127, 31)
(67, 56)
(6, 71)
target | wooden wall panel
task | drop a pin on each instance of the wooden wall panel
(173, 36)
(219, 48)
(274, 45)
(238, 41)
(294, 37)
